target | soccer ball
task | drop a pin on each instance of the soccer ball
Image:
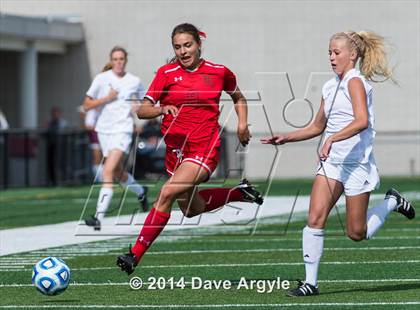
(51, 276)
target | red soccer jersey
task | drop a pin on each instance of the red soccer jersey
(195, 93)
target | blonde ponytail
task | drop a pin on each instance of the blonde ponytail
(370, 48)
(373, 61)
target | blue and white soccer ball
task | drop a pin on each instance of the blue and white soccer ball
(51, 276)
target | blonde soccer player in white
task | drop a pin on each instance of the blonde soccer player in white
(109, 93)
(347, 163)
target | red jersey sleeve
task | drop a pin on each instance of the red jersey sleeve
(157, 87)
(229, 83)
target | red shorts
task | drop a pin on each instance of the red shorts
(205, 155)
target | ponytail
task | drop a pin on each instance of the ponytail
(107, 67)
(373, 61)
(370, 48)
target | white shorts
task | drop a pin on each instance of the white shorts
(114, 141)
(356, 178)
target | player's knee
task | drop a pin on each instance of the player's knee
(107, 173)
(316, 221)
(167, 194)
(356, 234)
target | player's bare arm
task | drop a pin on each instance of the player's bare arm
(314, 129)
(241, 109)
(147, 110)
(90, 103)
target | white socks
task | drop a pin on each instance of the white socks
(132, 185)
(312, 246)
(377, 215)
(313, 238)
(105, 195)
(104, 200)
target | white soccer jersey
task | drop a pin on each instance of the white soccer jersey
(115, 116)
(356, 149)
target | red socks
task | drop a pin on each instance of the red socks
(218, 197)
(157, 220)
(152, 227)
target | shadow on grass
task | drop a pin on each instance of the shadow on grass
(382, 288)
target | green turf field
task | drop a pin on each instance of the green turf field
(37, 206)
(383, 273)
(365, 275)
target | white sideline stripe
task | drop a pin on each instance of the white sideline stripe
(102, 248)
(248, 251)
(33, 256)
(320, 304)
(240, 265)
(69, 233)
(75, 253)
(281, 250)
(295, 231)
(264, 250)
(32, 238)
(285, 238)
(187, 282)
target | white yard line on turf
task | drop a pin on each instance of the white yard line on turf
(238, 265)
(244, 251)
(280, 239)
(279, 233)
(188, 283)
(108, 246)
(218, 306)
(7, 264)
(260, 250)
(46, 236)
(392, 248)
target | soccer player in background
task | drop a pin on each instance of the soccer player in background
(89, 120)
(347, 163)
(109, 93)
(189, 90)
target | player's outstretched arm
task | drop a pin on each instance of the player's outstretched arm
(312, 130)
(241, 109)
(147, 110)
(91, 103)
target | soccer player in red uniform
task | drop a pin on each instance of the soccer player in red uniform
(189, 90)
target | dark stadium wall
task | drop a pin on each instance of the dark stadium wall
(62, 81)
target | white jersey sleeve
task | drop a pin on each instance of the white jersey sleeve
(94, 88)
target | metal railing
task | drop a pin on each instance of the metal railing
(40, 158)
(37, 158)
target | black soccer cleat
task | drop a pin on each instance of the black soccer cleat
(403, 205)
(250, 192)
(93, 222)
(143, 201)
(127, 262)
(303, 289)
